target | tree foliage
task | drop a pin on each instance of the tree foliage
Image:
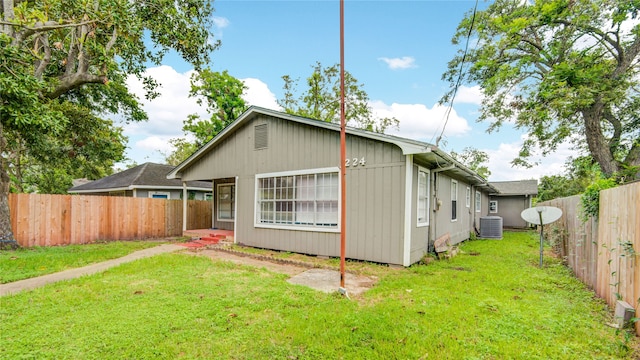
(321, 99)
(182, 149)
(579, 174)
(222, 95)
(562, 70)
(86, 147)
(62, 57)
(474, 159)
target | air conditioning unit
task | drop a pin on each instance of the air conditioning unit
(491, 227)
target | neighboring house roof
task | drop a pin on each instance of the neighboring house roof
(521, 187)
(408, 146)
(145, 176)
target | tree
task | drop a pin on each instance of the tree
(222, 94)
(86, 147)
(321, 100)
(182, 150)
(579, 174)
(562, 69)
(82, 52)
(474, 159)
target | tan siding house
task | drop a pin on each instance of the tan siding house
(276, 184)
(510, 199)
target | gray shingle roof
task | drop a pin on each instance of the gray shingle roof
(145, 175)
(521, 187)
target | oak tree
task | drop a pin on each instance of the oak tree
(81, 52)
(563, 70)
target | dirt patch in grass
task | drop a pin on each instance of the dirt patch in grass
(307, 274)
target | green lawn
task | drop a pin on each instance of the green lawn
(26, 263)
(490, 302)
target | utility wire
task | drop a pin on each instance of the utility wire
(455, 89)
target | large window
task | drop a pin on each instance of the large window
(305, 200)
(454, 200)
(226, 202)
(423, 197)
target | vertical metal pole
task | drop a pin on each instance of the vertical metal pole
(541, 238)
(185, 195)
(343, 155)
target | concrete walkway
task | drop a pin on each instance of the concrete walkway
(29, 284)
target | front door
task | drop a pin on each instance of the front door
(225, 206)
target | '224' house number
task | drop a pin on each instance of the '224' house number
(355, 162)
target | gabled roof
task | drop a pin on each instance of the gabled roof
(408, 146)
(145, 176)
(521, 187)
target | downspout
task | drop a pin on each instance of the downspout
(184, 206)
(433, 223)
(406, 253)
(235, 211)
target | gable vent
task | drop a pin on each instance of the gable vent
(261, 137)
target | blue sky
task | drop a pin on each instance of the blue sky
(398, 50)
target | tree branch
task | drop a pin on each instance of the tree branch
(73, 81)
(44, 40)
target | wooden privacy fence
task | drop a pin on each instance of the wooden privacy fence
(604, 254)
(48, 220)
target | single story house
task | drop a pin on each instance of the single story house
(146, 180)
(511, 198)
(276, 184)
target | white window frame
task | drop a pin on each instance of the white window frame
(424, 220)
(233, 200)
(494, 211)
(468, 197)
(167, 193)
(454, 200)
(478, 201)
(298, 173)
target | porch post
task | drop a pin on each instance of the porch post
(185, 198)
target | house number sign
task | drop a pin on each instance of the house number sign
(355, 162)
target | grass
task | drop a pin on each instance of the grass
(490, 302)
(26, 263)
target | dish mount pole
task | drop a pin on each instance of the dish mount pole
(343, 159)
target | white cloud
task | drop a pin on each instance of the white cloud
(220, 22)
(258, 94)
(155, 143)
(469, 95)
(419, 122)
(166, 113)
(502, 170)
(405, 62)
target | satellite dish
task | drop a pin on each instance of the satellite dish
(541, 215)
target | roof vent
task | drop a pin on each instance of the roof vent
(261, 137)
(491, 227)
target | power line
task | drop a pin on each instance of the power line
(455, 89)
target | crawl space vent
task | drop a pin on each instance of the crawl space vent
(491, 227)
